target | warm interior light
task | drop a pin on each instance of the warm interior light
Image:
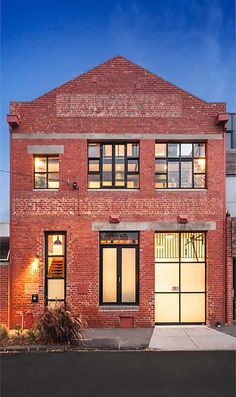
(201, 162)
(169, 236)
(38, 163)
(35, 264)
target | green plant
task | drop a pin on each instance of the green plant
(32, 335)
(60, 325)
(18, 330)
(4, 334)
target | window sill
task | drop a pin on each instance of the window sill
(113, 190)
(45, 190)
(118, 308)
(180, 190)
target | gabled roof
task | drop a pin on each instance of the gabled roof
(125, 75)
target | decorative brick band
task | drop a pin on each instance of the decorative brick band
(118, 105)
(45, 149)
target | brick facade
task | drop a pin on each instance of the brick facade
(119, 98)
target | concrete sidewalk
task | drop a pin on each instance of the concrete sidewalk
(117, 338)
(190, 338)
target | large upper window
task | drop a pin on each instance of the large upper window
(180, 165)
(113, 165)
(46, 172)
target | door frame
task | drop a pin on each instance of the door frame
(179, 292)
(46, 234)
(119, 274)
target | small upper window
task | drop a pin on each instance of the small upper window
(4, 249)
(113, 165)
(46, 172)
(180, 165)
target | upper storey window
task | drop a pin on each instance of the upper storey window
(46, 172)
(180, 165)
(113, 165)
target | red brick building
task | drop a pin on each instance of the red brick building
(118, 202)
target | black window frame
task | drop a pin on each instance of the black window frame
(47, 157)
(180, 160)
(119, 271)
(126, 161)
(46, 235)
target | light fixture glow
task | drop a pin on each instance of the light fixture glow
(57, 241)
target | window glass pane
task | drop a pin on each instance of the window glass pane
(119, 169)
(128, 289)
(199, 149)
(132, 165)
(186, 150)
(173, 174)
(119, 150)
(173, 149)
(160, 150)
(4, 248)
(94, 150)
(192, 247)
(53, 164)
(167, 247)
(40, 164)
(160, 181)
(107, 172)
(93, 165)
(132, 149)
(53, 181)
(56, 267)
(119, 238)
(199, 181)
(94, 181)
(109, 274)
(186, 174)
(40, 181)
(133, 181)
(56, 244)
(193, 308)
(199, 165)
(56, 289)
(166, 277)
(167, 308)
(107, 150)
(193, 277)
(160, 166)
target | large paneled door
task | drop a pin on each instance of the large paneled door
(180, 277)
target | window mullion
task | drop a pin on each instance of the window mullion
(113, 160)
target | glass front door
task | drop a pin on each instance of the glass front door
(119, 268)
(180, 277)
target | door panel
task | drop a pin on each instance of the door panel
(167, 277)
(167, 308)
(192, 308)
(128, 271)
(109, 274)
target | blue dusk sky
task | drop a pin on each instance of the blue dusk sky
(46, 43)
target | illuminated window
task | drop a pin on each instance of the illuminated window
(119, 268)
(180, 277)
(180, 166)
(55, 267)
(46, 172)
(113, 165)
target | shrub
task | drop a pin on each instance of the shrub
(4, 334)
(60, 325)
(18, 330)
(32, 335)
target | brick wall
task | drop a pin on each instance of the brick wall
(117, 97)
(4, 294)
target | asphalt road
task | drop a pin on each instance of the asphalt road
(113, 374)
